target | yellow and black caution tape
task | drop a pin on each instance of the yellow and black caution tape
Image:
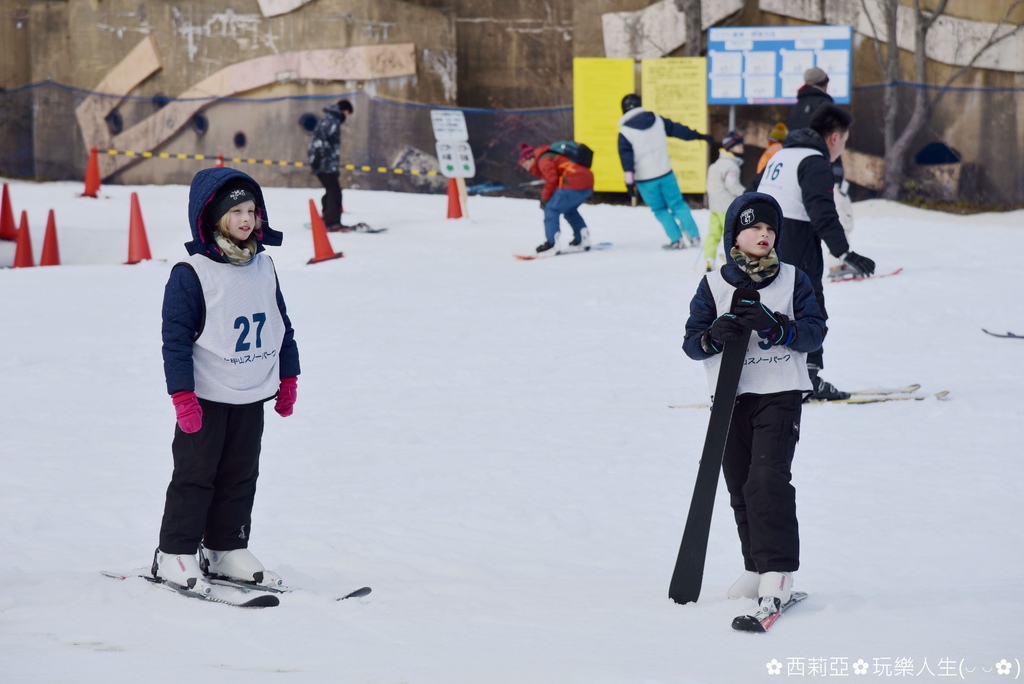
(219, 158)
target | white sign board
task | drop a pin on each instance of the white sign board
(766, 64)
(449, 124)
(456, 159)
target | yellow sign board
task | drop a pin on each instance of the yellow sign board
(599, 84)
(676, 88)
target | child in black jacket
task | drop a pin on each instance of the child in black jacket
(787, 324)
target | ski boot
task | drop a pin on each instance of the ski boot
(238, 565)
(180, 569)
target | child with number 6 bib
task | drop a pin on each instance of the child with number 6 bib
(787, 324)
(228, 347)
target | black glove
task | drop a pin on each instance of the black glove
(861, 265)
(543, 203)
(726, 328)
(775, 327)
(631, 191)
(709, 139)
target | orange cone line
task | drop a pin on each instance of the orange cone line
(23, 252)
(92, 174)
(454, 203)
(322, 250)
(138, 245)
(51, 253)
(8, 231)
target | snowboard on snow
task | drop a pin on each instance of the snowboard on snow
(593, 248)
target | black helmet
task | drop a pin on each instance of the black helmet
(631, 101)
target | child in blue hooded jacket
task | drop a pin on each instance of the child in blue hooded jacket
(786, 324)
(228, 347)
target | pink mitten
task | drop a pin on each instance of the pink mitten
(286, 396)
(190, 413)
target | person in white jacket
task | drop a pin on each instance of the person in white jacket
(723, 186)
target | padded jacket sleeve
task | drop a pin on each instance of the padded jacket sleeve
(816, 185)
(703, 313)
(183, 318)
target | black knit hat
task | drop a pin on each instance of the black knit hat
(232, 194)
(757, 212)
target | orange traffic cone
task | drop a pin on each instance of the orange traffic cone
(454, 202)
(23, 252)
(138, 245)
(92, 174)
(220, 162)
(322, 250)
(7, 229)
(50, 255)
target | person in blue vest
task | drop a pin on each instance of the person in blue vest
(643, 152)
(786, 325)
(228, 347)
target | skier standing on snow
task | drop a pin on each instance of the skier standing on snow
(765, 428)
(567, 185)
(723, 186)
(799, 177)
(323, 159)
(643, 151)
(228, 347)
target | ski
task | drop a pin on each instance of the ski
(252, 586)
(1009, 335)
(850, 276)
(884, 392)
(756, 622)
(688, 574)
(881, 399)
(906, 389)
(593, 248)
(233, 598)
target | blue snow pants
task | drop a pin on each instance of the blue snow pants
(565, 203)
(662, 195)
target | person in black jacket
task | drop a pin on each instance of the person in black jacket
(800, 177)
(324, 160)
(809, 98)
(787, 324)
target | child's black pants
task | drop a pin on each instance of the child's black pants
(213, 486)
(757, 466)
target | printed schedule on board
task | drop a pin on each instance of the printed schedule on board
(766, 64)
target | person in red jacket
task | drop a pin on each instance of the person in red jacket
(567, 185)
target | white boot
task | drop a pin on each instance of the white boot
(776, 585)
(180, 569)
(746, 586)
(238, 564)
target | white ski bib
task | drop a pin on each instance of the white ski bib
(780, 181)
(236, 357)
(650, 147)
(767, 369)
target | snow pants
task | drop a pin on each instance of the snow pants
(662, 195)
(330, 203)
(565, 203)
(213, 485)
(757, 467)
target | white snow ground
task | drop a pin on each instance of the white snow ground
(488, 444)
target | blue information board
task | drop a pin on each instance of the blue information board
(766, 64)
